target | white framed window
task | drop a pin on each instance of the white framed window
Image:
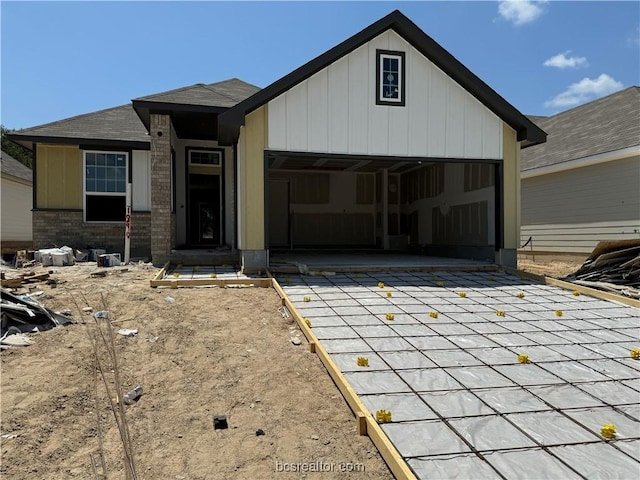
(105, 185)
(207, 158)
(390, 78)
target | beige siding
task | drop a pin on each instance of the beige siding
(572, 211)
(17, 199)
(59, 176)
(511, 189)
(335, 111)
(251, 146)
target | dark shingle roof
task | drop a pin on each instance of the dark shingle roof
(223, 94)
(116, 124)
(11, 166)
(605, 125)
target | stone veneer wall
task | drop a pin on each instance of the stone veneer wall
(66, 227)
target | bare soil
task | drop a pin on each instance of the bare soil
(550, 265)
(213, 351)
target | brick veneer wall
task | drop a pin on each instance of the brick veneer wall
(161, 228)
(66, 227)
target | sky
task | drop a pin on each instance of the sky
(60, 59)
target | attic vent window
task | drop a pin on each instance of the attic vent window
(390, 78)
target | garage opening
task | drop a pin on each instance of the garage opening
(426, 206)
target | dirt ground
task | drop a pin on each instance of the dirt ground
(556, 266)
(213, 351)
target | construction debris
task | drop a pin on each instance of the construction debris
(16, 282)
(613, 267)
(59, 257)
(24, 315)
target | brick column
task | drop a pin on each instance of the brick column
(160, 132)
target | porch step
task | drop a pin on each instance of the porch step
(205, 257)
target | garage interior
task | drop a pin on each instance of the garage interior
(435, 207)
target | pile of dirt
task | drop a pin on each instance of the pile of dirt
(211, 351)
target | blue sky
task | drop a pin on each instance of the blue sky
(61, 59)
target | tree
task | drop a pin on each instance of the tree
(20, 153)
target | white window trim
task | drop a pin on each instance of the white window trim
(101, 194)
(381, 99)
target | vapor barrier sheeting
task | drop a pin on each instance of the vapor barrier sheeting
(443, 352)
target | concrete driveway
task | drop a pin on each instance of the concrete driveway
(443, 352)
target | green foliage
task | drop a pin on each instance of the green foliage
(23, 155)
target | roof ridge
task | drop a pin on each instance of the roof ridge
(75, 117)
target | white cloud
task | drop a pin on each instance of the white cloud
(561, 60)
(585, 90)
(520, 12)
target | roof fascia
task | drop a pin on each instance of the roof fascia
(581, 162)
(175, 107)
(22, 139)
(13, 178)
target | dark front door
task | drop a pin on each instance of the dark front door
(205, 226)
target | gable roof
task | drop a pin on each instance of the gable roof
(224, 94)
(231, 120)
(117, 126)
(12, 167)
(605, 125)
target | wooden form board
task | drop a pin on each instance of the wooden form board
(366, 422)
(593, 292)
(160, 281)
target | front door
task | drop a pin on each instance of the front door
(205, 222)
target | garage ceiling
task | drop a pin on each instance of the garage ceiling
(333, 164)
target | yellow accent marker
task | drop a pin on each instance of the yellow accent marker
(635, 353)
(520, 294)
(176, 274)
(357, 275)
(462, 294)
(608, 431)
(213, 275)
(389, 294)
(491, 278)
(362, 361)
(380, 285)
(500, 313)
(558, 313)
(433, 314)
(383, 416)
(307, 298)
(576, 293)
(389, 316)
(440, 284)
(523, 358)
(307, 321)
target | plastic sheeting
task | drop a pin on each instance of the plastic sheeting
(462, 405)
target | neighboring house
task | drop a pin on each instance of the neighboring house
(17, 200)
(583, 185)
(385, 141)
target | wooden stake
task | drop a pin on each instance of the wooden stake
(362, 423)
